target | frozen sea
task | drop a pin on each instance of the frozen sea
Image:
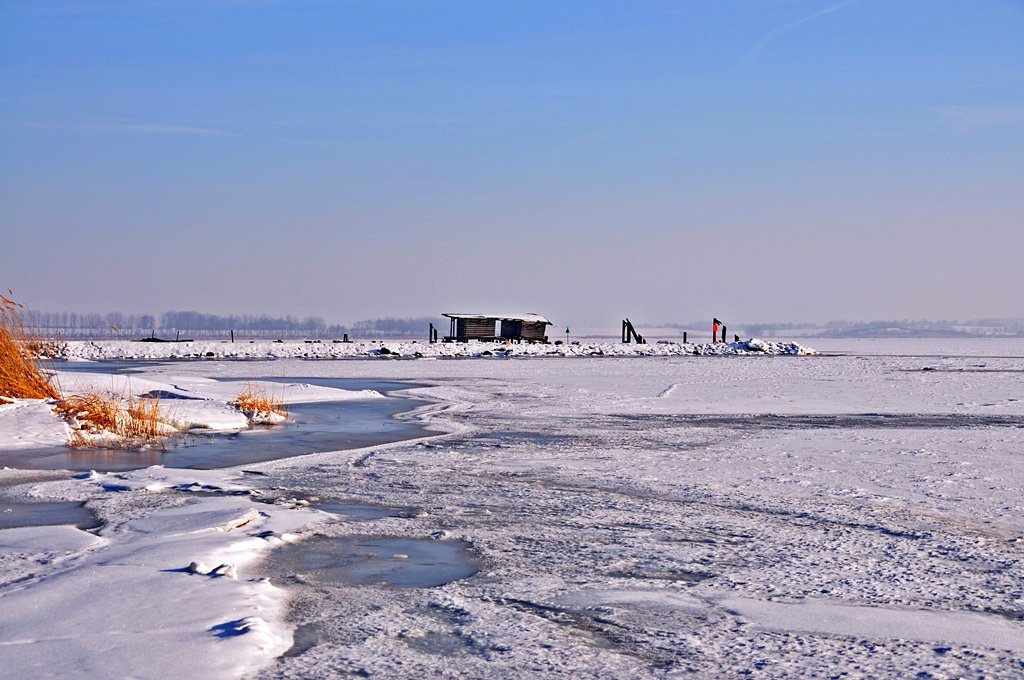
(857, 513)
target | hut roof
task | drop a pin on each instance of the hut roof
(526, 318)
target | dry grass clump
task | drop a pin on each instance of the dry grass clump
(20, 376)
(259, 407)
(113, 421)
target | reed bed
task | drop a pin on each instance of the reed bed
(113, 421)
(20, 375)
(99, 419)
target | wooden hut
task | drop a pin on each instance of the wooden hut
(496, 327)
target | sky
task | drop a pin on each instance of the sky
(754, 160)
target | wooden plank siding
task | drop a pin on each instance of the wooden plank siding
(475, 329)
(533, 332)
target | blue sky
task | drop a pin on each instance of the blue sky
(753, 160)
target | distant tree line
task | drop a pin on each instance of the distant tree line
(198, 324)
(119, 324)
(392, 327)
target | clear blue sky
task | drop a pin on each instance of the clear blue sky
(753, 160)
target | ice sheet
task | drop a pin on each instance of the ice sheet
(641, 517)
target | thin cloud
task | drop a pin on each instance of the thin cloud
(158, 129)
(769, 37)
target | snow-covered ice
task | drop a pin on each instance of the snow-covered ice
(776, 516)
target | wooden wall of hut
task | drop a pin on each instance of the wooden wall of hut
(533, 331)
(474, 329)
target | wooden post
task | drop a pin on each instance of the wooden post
(629, 333)
(232, 336)
(684, 337)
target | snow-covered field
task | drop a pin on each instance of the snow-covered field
(775, 516)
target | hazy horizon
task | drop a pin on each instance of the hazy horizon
(119, 322)
(800, 159)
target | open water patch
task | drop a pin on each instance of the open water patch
(107, 366)
(351, 384)
(312, 428)
(370, 560)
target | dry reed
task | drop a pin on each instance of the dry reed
(20, 375)
(94, 419)
(113, 421)
(259, 407)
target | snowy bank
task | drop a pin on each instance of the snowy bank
(408, 349)
(186, 403)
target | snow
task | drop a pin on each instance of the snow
(528, 318)
(856, 513)
(131, 605)
(406, 349)
(903, 624)
(54, 540)
(30, 423)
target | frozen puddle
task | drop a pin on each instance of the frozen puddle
(365, 560)
(964, 628)
(358, 511)
(14, 515)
